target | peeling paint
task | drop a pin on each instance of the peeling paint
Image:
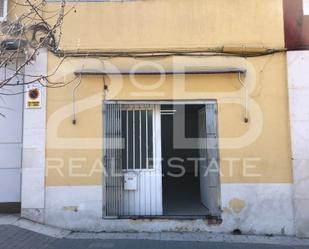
(237, 205)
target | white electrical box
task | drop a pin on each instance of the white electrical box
(130, 181)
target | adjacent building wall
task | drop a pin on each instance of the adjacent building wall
(33, 159)
(11, 140)
(299, 116)
(296, 20)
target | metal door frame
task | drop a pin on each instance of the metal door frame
(155, 102)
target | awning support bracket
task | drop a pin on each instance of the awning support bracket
(239, 71)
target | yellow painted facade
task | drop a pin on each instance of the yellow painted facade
(172, 25)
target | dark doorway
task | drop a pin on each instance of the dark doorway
(181, 180)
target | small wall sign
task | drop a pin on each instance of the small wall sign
(33, 97)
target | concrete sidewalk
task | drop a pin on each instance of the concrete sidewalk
(17, 221)
(13, 224)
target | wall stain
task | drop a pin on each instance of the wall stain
(237, 205)
(71, 208)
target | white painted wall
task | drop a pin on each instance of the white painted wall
(267, 209)
(33, 161)
(298, 83)
(72, 207)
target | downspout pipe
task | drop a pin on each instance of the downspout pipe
(74, 99)
(246, 98)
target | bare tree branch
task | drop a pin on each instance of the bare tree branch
(21, 40)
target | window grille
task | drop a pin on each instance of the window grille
(137, 134)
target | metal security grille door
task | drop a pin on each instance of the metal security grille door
(137, 127)
(113, 160)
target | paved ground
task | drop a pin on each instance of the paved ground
(13, 237)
